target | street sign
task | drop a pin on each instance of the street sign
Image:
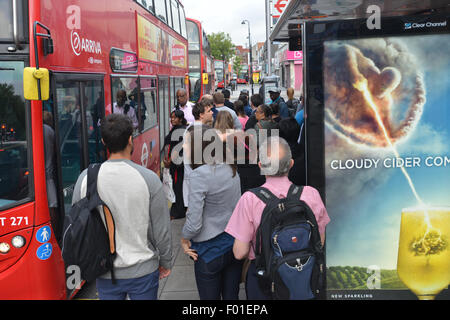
(43, 234)
(278, 7)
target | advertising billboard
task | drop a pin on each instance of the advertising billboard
(158, 46)
(381, 113)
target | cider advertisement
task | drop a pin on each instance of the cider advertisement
(158, 46)
(387, 167)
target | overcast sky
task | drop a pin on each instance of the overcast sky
(227, 15)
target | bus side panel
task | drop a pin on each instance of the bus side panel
(146, 149)
(33, 278)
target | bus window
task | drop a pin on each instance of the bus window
(193, 35)
(95, 112)
(6, 20)
(169, 14)
(160, 10)
(125, 100)
(164, 109)
(176, 17)
(6, 30)
(148, 115)
(194, 62)
(173, 92)
(179, 84)
(148, 4)
(183, 22)
(175, 84)
(14, 162)
(195, 86)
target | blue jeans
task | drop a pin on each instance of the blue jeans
(143, 288)
(218, 279)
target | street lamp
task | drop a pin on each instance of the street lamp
(250, 48)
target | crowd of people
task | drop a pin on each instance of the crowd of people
(211, 179)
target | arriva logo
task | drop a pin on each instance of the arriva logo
(84, 45)
(79, 44)
(76, 42)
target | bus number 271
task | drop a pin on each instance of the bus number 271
(13, 221)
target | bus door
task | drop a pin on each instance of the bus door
(78, 108)
(164, 112)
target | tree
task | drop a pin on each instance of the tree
(221, 46)
(237, 64)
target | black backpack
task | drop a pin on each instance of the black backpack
(289, 255)
(292, 106)
(86, 242)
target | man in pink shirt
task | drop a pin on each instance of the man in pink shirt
(246, 216)
(184, 105)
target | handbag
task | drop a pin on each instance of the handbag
(168, 185)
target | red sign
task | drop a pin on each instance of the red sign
(279, 6)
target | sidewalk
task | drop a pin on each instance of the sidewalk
(180, 285)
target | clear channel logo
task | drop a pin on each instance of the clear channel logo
(415, 25)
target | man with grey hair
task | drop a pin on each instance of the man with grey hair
(184, 105)
(275, 166)
(275, 163)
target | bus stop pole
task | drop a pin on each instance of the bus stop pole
(268, 45)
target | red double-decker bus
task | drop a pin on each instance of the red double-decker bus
(222, 68)
(93, 50)
(201, 62)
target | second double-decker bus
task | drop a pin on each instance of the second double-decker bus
(201, 65)
(95, 52)
(243, 74)
(220, 69)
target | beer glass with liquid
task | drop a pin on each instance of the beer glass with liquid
(423, 263)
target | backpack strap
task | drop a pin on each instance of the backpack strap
(262, 253)
(92, 174)
(111, 228)
(94, 201)
(295, 192)
(263, 194)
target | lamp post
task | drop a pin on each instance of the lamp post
(268, 44)
(250, 48)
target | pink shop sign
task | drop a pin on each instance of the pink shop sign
(294, 55)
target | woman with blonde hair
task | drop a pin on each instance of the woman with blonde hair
(224, 124)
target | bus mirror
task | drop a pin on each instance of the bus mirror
(31, 85)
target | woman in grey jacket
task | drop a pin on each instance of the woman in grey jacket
(213, 193)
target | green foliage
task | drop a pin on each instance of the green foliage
(221, 46)
(237, 64)
(356, 278)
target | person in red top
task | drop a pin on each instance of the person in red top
(276, 161)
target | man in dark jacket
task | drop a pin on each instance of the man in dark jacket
(228, 103)
(275, 97)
